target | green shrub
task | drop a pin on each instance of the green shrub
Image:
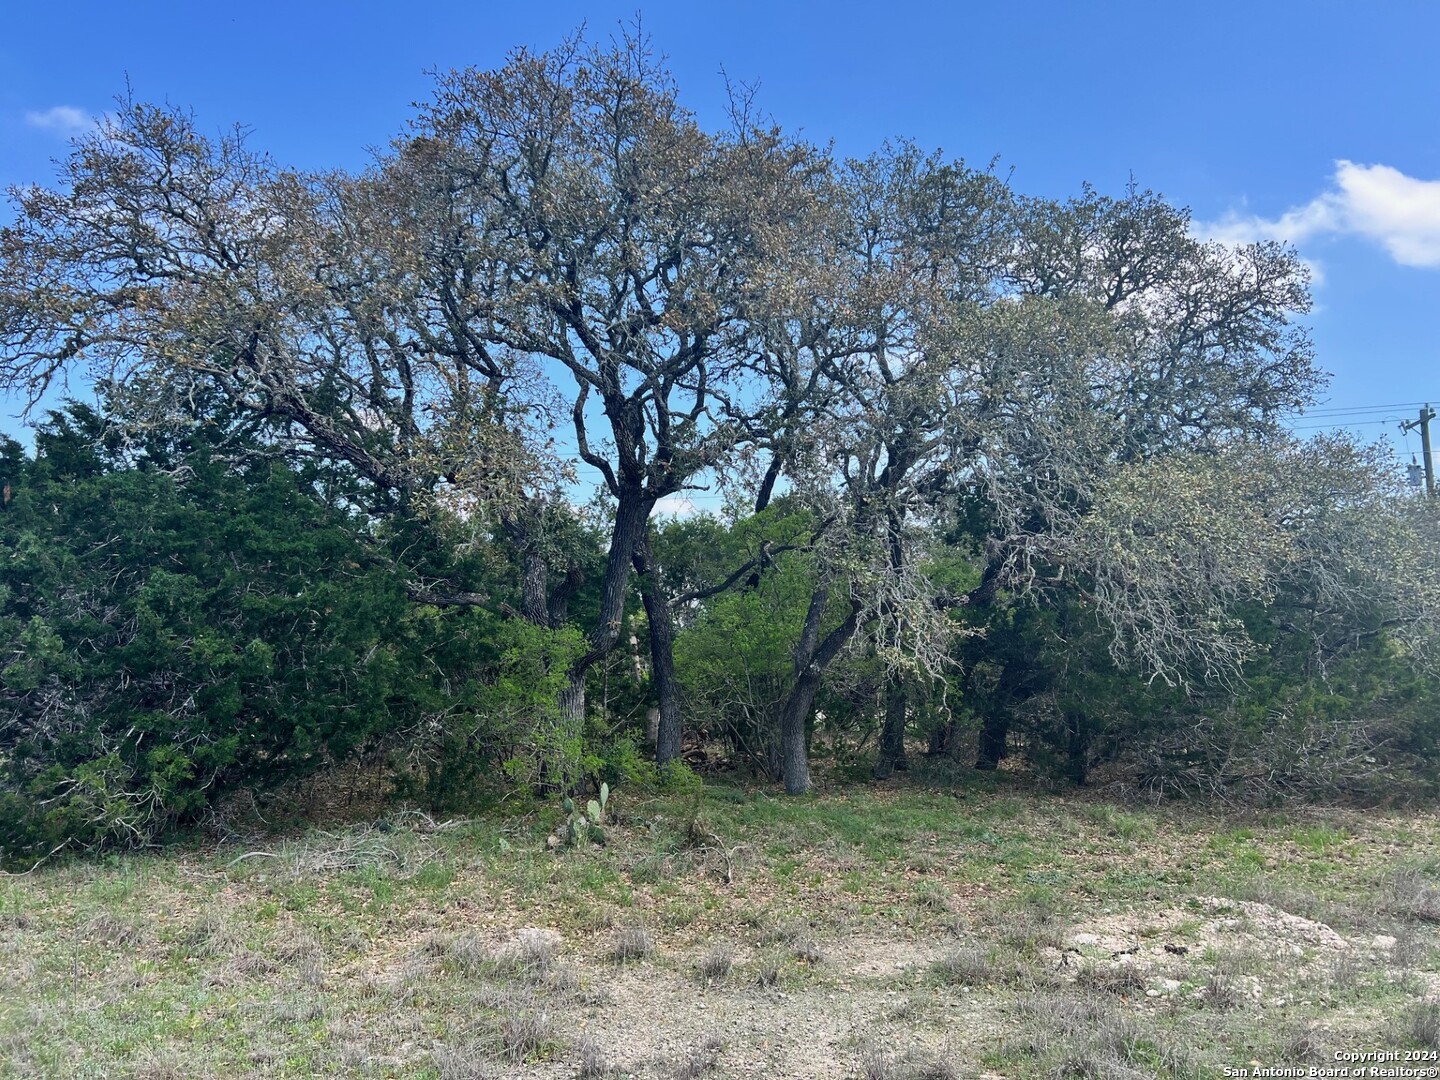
(176, 624)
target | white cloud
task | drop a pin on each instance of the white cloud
(1376, 202)
(64, 120)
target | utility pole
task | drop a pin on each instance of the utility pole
(1423, 423)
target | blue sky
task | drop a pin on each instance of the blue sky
(1311, 121)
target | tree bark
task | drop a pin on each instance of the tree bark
(994, 733)
(892, 737)
(812, 657)
(794, 753)
(631, 519)
(535, 588)
(1017, 683)
(653, 593)
(572, 717)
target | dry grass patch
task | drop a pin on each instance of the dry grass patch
(880, 1063)
(1415, 897)
(1424, 1026)
(768, 974)
(631, 943)
(592, 1061)
(527, 1031)
(1072, 1035)
(715, 965)
(701, 1061)
(996, 967)
(1304, 1042)
(1121, 980)
(466, 1061)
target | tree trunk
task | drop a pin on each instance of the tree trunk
(631, 518)
(1015, 685)
(892, 737)
(994, 733)
(794, 753)
(535, 587)
(572, 720)
(669, 734)
(812, 657)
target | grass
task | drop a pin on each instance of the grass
(1026, 934)
(715, 965)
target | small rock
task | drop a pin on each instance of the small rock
(1382, 941)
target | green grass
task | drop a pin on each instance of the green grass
(369, 951)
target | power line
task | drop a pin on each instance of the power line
(1355, 409)
(1353, 423)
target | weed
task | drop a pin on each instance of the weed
(465, 954)
(971, 966)
(1082, 1036)
(963, 967)
(1413, 896)
(877, 1063)
(530, 953)
(1303, 1043)
(932, 895)
(787, 932)
(526, 1033)
(467, 1061)
(293, 1011)
(112, 931)
(562, 979)
(1425, 1025)
(769, 973)
(1345, 972)
(1318, 838)
(715, 965)
(1121, 823)
(633, 942)
(593, 1062)
(701, 1061)
(1222, 990)
(1122, 980)
(911, 1008)
(1032, 927)
(1410, 950)
(807, 951)
(650, 869)
(207, 938)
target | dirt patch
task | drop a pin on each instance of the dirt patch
(650, 1021)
